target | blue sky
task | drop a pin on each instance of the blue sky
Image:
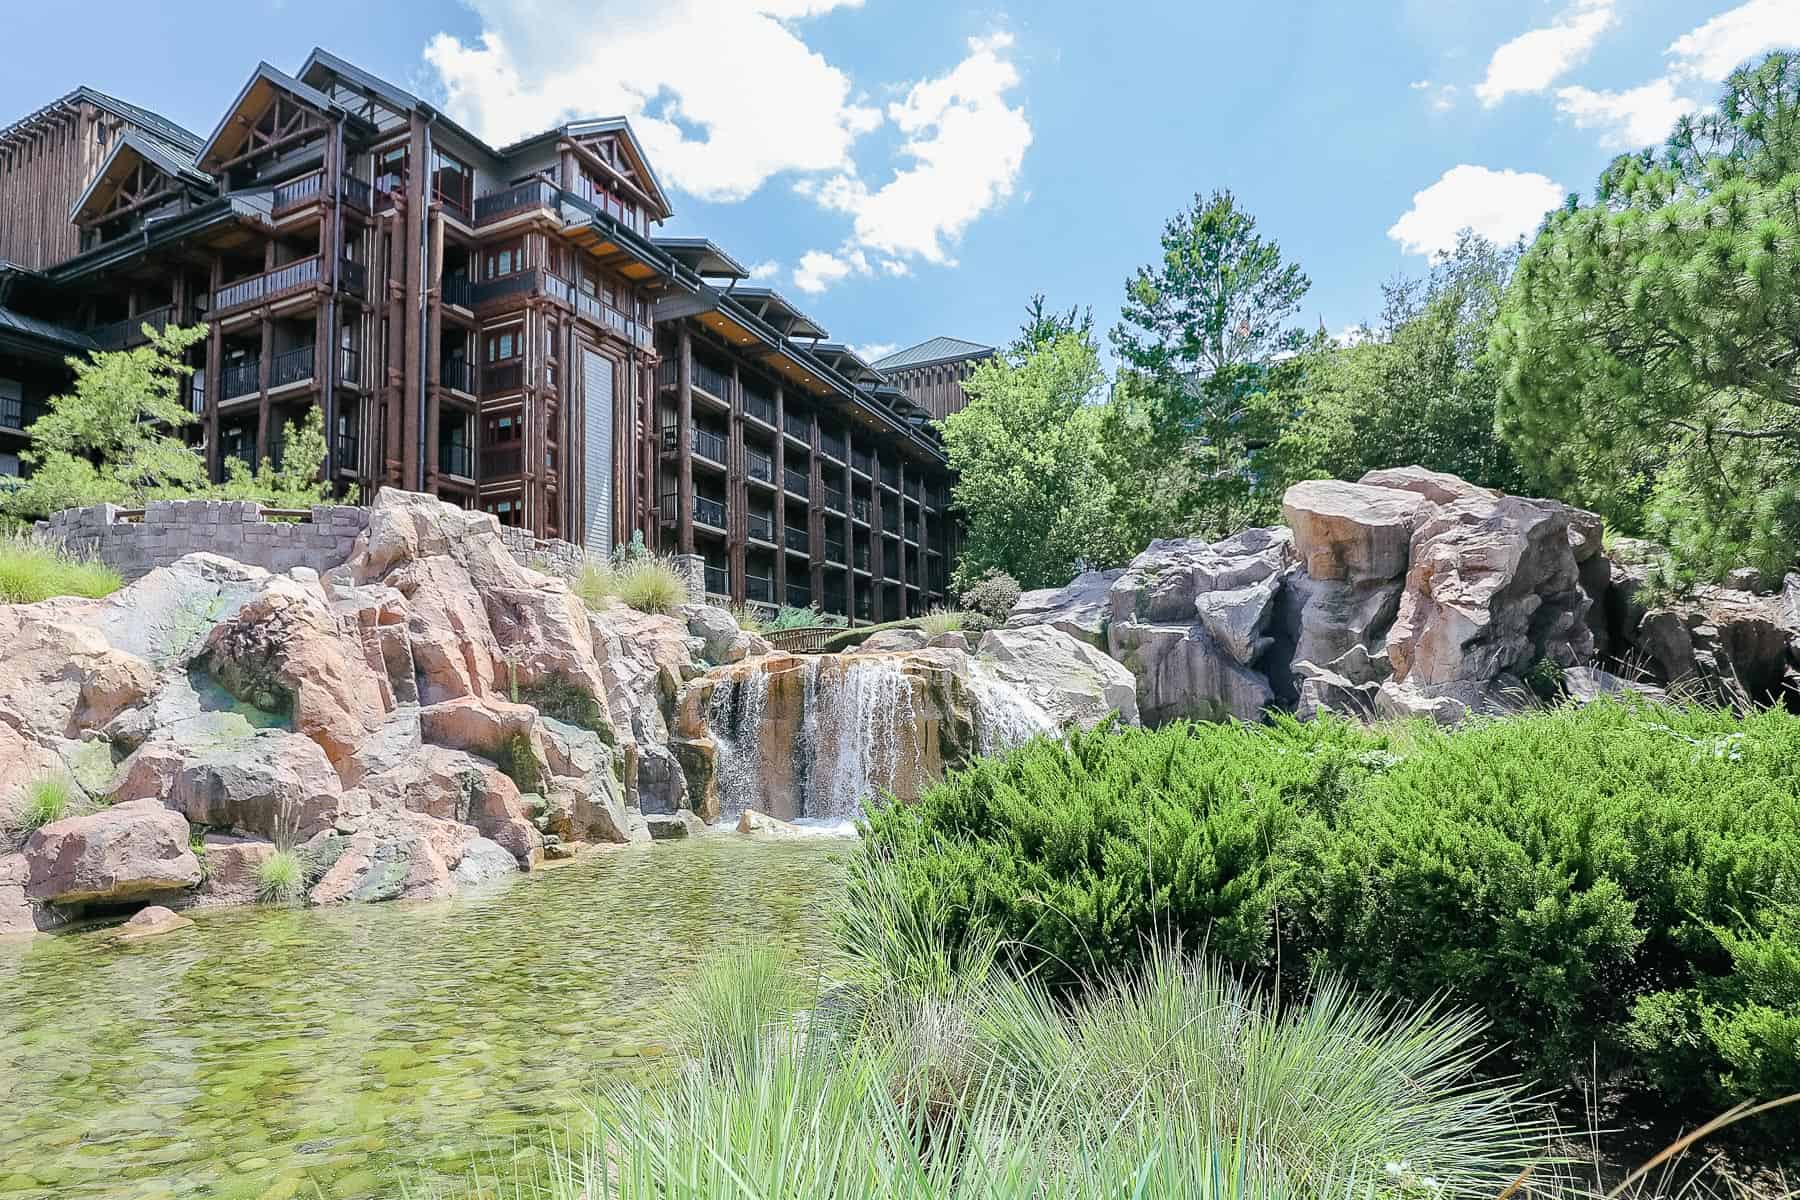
(904, 168)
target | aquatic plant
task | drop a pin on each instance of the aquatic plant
(34, 568)
(280, 877)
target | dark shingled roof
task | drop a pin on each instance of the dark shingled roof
(19, 324)
(937, 350)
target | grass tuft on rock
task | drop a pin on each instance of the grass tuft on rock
(33, 568)
(648, 583)
(943, 620)
(42, 801)
(280, 878)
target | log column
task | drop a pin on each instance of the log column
(737, 494)
(684, 459)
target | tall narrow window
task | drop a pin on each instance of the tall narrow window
(452, 182)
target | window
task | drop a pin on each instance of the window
(503, 345)
(452, 181)
(503, 260)
(390, 169)
(509, 512)
(556, 259)
(500, 431)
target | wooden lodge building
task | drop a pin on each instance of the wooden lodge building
(502, 327)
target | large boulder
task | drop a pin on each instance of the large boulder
(127, 852)
(1081, 608)
(484, 862)
(1493, 587)
(284, 653)
(509, 734)
(18, 916)
(890, 641)
(455, 787)
(232, 867)
(1069, 679)
(272, 784)
(1721, 644)
(1182, 672)
(1352, 532)
(369, 868)
(59, 676)
(585, 799)
(1436, 486)
(1163, 583)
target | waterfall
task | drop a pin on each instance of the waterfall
(735, 717)
(867, 736)
(1004, 716)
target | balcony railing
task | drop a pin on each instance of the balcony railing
(357, 193)
(834, 551)
(759, 466)
(457, 459)
(710, 379)
(704, 442)
(503, 377)
(19, 414)
(797, 483)
(798, 425)
(268, 285)
(241, 378)
(862, 558)
(353, 277)
(718, 580)
(520, 283)
(759, 407)
(291, 366)
(349, 366)
(912, 531)
(832, 445)
(890, 519)
(759, 588)
(797, 540)
(457, 374)
(834, 499)
(501, 462)
(346, 449)
(861, 461)
(602, 313)
(859, 508)
(762, 526)
(459, 290)
(120, 335)
(799, 595)
(296, 192)
(521, 197)
(708, 511)
(890, 476)
(196, 391)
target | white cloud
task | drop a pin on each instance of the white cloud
(1698, 60)
(818, 270)
(965, 145)
(1642, 116)
(1726, 42)
(765, 270)
(1536, 59)
(725, 93)
(876, 350)
(1499, 205)
(1419, 85)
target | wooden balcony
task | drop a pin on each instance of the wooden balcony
(501, 462)
(17, 415)
(529, 196)
(122, 335)
(270, 285)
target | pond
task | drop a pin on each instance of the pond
(346, 1052)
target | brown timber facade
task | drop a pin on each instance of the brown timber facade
(496, 326)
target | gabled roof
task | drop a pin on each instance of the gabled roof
(936, 350)
(127, 152)
(263, 83)
(774, 308)
(154, 123)
(703, 257)
(18, 329)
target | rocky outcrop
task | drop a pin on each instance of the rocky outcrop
(1072, 681)
(117, 855)
(1082, 608)
(18, 916)
(231, 865)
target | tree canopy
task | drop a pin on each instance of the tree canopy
(1649, 347)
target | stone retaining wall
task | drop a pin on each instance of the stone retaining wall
(135, 542)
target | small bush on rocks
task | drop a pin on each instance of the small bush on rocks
(993, 596)
(280, 878)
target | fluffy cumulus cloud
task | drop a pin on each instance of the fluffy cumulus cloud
(1499, 205)
(1539, 57)
(964, 146)
(725, 93)
(875, 351)
(1696, 63)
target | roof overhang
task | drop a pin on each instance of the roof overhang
(127, 153)
(264, 85)
(703, 257)
(772, 307)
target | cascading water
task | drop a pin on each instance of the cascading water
(859, 733)
(735, 717)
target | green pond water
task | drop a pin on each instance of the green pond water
(349, 1052)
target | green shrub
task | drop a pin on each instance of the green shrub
(280, 878)
(750, 618)
(942, 620)
(803, 618)
(643, 581)
(32, 569)
(44, 800)
(993, 596)
(1608, 882)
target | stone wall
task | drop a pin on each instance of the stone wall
(135, 542)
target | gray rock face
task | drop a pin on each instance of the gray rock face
(1163, 583)
(1238, 617)
(1451, 703)
(1721, 643)
(1182, 672)
(721, 640)
(1325, 691)
(1435, 486)
(18, 916)
(126, 852)
(1081, 609)
(1074, 683)
(484, 862)
(893, 640)
(272, 784)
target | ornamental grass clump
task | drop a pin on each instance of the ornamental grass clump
(646, 582)
(943, 620)
(280, 878)
(33, 568)
(40, 802)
